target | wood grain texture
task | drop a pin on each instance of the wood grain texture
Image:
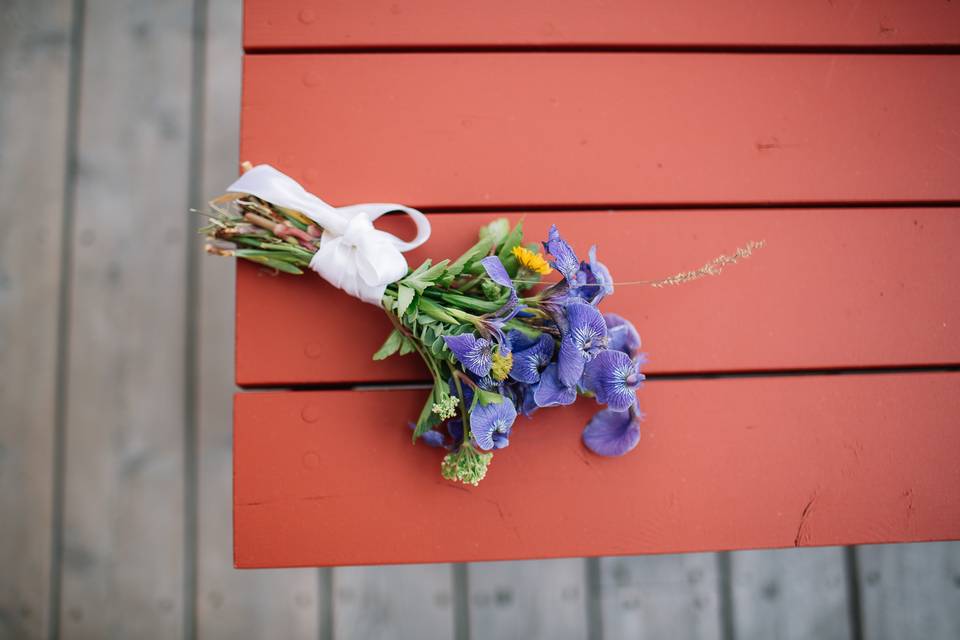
(790, 594)
(123, 570)
(723, 464)
(911, 591)
(428, 23)
(34, 75)
(525, 600)
(605, 129)
(832, 288)
(381, 603)
(230, 603)
(673, 596)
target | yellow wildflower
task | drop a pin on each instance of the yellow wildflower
(532, 261)
(502, 364)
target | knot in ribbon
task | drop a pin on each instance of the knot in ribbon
(353, 255)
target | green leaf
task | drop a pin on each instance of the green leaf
(432, 309)
(428, 419)
(390, 346)
(468, 302)
(511, 241)
(435, 271)
(438, 346)
(422, 268)
(474, 253)
(424, 276)
(496, 231)
(404, 298)
(427, 335)
(267, 259)
(488, 397)
(407, 346)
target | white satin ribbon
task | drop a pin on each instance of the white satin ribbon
(354, 255)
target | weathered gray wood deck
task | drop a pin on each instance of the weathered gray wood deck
(115, 385)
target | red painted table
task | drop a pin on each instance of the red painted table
(667, 133)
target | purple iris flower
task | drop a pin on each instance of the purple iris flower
(530, 362)
(528, 402)
(551, 391)
(432, 437)
(519, 341)
(622, 334)
(593, 280)
(497, 272)
(564, 259)
(467, 392)
(613, 433)
(614, 378)
(475, 354)
(584, 338)
(490, 424)
(455, 429)
(493, 323)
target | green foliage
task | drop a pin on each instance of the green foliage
(404, 298)
(470, 257)
(425, 276)
(428, 419)
(271, 259)
(496, 231)
(390, 346)
(513, 239)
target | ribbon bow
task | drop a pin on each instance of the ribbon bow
(354, 255)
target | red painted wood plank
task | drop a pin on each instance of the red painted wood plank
(421, 23)
(324, 478)
(833, 288)
(604, 129)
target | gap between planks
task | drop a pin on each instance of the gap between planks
(705, 375)
(914, 49)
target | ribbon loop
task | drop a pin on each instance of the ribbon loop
(353, 255)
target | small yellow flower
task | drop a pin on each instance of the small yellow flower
(502, 364)
(531, 261)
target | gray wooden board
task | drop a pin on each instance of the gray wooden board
(787, 594)
(123, 570)
(669, 596)
(404, 601)
(231, 603)
(34, 70)
(910, 591)
(528, 600)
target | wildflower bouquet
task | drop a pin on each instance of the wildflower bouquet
(496, 340)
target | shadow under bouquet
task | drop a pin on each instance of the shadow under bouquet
(497, 340)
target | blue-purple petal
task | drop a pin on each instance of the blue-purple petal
(495, 321)
(520, 341)
(570, 362)
(586, 327)
(564, 259)
(529, 363)
(585, 336)
(613, 433)
(455, 429)
(497, 272)
(614, 378)
(551, 392)
(433, 438)
(621, 334)
(594, 279)
(475, 354)
(488, 420)
(528, 403)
